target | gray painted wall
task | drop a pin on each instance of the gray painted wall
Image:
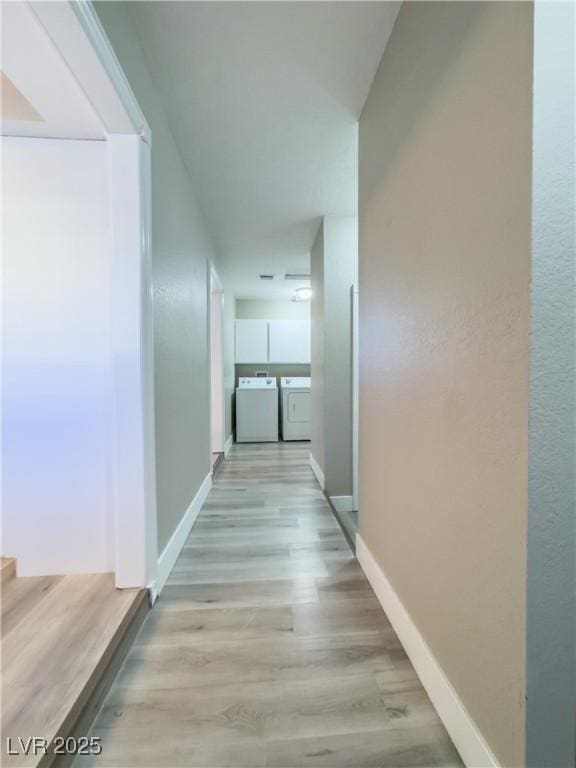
(551, 611)
(444, 207)
(334, 269)
(181, 248)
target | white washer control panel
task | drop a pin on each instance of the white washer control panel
(256, 382)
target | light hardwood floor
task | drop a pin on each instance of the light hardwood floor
(267, 647)
(7, 569)
(59, 634)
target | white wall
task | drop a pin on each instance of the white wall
(57, 397)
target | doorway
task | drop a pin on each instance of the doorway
(355, 403)
(78, 405)
(216, 371)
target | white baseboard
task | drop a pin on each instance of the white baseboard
(342, 503)
(317, 471)
(228, 445)
(174, 547)
(463, 731)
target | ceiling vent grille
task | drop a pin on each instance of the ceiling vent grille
(267, 277)
(294, 276)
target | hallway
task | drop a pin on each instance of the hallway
(267, 646)
(343, 235)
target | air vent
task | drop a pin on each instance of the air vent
(267, 277)
(294, 276)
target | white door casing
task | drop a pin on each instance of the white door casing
(77, 34)
(217, 414)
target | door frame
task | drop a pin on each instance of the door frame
(76, 32)
(354, 297)
(216, 336)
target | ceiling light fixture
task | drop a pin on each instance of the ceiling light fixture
(303, 294)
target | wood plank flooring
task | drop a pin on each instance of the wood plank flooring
(7, 569)
(58, 636)
(267, 647)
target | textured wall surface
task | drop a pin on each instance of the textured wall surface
(445, 175)
(181, 247)
(551, 642)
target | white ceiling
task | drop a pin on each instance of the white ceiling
(264, 99)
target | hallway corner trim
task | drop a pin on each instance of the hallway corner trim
(463, 731)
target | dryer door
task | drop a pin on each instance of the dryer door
(299, 407)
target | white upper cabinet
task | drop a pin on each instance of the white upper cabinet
(251, 341)
(289, 341)
(272, 341)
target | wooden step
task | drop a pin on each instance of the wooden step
(63, 640)
(7, 569)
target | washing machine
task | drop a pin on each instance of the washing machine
(257, 410)
(295, 407)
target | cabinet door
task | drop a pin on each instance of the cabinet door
(289, 341)
(251, 342)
